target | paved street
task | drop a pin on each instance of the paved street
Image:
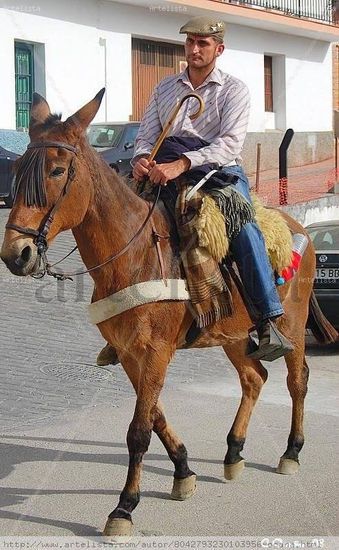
(64, 421)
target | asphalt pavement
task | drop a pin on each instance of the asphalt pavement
(63, 425)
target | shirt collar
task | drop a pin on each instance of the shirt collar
(214, 76)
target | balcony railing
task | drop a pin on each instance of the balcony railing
(326, 11)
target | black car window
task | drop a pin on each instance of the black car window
(131, 134)
(325, 238)
(105, 135)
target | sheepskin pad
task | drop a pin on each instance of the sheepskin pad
(211, 229)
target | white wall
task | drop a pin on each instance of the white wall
(307, 99)
(324, 209)
(7, 87)
(309, 102)
(74, 60)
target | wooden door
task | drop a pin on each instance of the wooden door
(151, 62)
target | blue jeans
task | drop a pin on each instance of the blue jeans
(248, 250)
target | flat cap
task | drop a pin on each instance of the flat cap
(204, 26)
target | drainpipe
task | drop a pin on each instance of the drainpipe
(102, 42)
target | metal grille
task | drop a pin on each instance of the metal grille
(320, 10)
(83, 373)
(23, 83)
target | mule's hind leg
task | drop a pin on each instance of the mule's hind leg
(252, 377)
(297, 379)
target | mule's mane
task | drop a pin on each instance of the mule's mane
(30, 178)
(30, 173)
(51, 121)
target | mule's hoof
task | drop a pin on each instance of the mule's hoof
(232, 471)
(118, 529)
(287, 466)
(184, 488)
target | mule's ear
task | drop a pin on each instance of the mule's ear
(85, 115)
(40, 110)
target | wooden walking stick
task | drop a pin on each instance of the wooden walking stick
(171, 120)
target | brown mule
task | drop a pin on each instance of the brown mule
(63, 184)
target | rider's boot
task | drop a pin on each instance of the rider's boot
(107, 356)
(267, 343)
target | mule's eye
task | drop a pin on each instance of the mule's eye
(57, 172)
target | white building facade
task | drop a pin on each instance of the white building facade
(68, 50)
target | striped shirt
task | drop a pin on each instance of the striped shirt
(223, 123)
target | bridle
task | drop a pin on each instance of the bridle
(40, 235)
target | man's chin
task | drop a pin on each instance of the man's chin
(197, 64)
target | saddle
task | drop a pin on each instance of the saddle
(203, 227)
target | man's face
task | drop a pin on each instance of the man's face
(201, 51)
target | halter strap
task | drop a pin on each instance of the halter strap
(57, 144)
(24, 230)
(40, 235)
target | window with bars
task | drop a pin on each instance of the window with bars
(147, 52)
(268, 76)
(166, 56)
(155, 53)
(24, 81)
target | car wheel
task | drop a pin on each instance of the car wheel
(115, 167)
(8, 201)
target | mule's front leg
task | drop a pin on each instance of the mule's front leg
(151, 380)
(119, 521)
(184, 484)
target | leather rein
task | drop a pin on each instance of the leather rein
(40, 235)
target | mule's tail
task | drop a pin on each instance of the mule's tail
(321, 328)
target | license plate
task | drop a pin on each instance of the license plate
(327, 273)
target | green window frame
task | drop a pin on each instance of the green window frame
(24, 82)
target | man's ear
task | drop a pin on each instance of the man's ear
(82, 118)
(220, 49)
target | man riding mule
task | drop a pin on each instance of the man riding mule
(222, 126)
(62, 184)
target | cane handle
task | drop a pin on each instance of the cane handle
(172, 118)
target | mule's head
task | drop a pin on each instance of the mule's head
(52, 184)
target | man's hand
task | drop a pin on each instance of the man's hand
(162, 173)
(142, 168)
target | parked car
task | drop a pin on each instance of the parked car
(7, 159)
(325, 238)
(114, 141)
(12, 144)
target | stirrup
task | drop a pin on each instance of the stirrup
(277, 344)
